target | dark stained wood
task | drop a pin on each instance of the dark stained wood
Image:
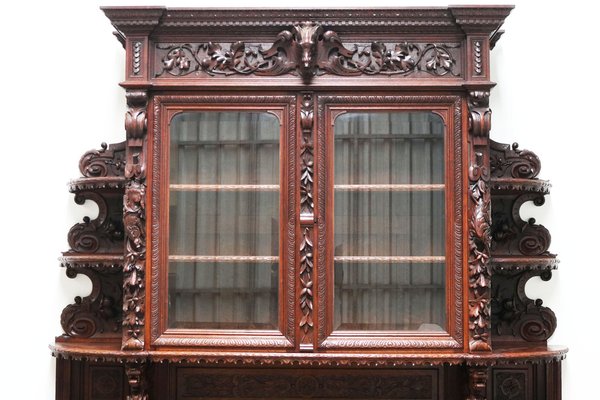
(308, 67)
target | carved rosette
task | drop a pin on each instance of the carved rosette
(134, 219)
(136, 377)
(99, 312)
(479, 223)
(307, 51)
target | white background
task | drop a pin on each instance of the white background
(60, 68)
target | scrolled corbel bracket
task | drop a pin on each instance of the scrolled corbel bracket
(134, 221)
(480, 115)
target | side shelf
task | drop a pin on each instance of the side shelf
(96, 246)
(519, 248)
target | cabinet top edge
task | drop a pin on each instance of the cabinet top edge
(484, 19)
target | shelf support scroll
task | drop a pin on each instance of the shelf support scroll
(134, 220)
(479, 222)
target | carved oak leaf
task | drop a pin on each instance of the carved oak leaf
(404, 57)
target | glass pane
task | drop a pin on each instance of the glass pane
(389, 197)
(224, 220)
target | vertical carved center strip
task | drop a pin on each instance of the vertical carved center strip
(136, 377)
(137, 58)
(307, 220)
(479, 222)
(478, 383)
(134, 220)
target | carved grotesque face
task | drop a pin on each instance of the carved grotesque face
(307, 36)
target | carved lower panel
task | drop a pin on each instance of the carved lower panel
(196, 383)
(511, 384)
(100, 312)
(106, 383)
(515, 317)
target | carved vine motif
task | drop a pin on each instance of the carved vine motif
(515, 317)
(508, 161)
(478, 379)
(512, 235)
(306, 281)
(108, 161)
(307, 51)
(105, 233)
(99, 312)
(479, 227)
(136, 377)
(134, 218)
(307, 204)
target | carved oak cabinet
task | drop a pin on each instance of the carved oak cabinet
(307, 204)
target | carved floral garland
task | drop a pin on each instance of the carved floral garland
(307, 51)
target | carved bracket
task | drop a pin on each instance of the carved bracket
(508, 161)
(515, 317)
(513, 236)
(480, 115)
(103, 234)
(134, 220)
(99, 312)
(308, 51)
(108, 161)
(478, 383)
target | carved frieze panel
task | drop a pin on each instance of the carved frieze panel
(516, 317)
(196, 383)
(307, 51)
(98, 313)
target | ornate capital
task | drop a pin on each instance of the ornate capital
(480, 115)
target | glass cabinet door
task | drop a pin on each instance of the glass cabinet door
(224, 208)
(389, 221)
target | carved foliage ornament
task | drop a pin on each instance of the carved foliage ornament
(134, 218)
(306, 282)
(307, 205)
(479, 228)
(307, 51)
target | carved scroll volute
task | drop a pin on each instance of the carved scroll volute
(479, 223)
(307, 36)
(307, 221)
(134, 221)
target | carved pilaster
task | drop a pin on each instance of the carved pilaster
(479, 223)
(134, 219)
(307, 220)
(136, 377)
(478, 382)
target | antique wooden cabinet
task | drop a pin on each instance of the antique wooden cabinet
(307, 204)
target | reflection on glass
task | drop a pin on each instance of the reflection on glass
(224, 220)
(389, 221)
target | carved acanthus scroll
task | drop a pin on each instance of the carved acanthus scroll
(99, 312)
(307, 51)
(508, 161)
(479, 226)
(134, 218)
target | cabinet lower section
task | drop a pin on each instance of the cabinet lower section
(136, 379)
